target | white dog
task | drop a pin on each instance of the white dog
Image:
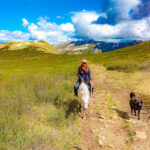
(84, 97)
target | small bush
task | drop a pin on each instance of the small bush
(131, 133)
(129, 66)
(127, 125)
(125, 66)
(144, 66)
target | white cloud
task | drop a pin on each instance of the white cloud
(8, 36)
(127, 30)
(25, 22)
(85, 17)
(43, 30)
(51, 32)
(68, 27)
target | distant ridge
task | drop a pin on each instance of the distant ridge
(106, 46)
(78, 47)
(34, 46)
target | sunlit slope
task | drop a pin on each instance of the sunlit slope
(139, 52)
(36, 46)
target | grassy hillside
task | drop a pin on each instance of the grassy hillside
(36, 46)
(127, 59)
(38, 108)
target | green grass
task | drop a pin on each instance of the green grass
(126, 125)
(131, 133)
(30, 79)
(18, 98)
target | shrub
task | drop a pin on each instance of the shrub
(144, 66)
(131, 133)
(125, 66)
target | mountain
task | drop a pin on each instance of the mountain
(34, 46)
(112, 46)
(91, 46)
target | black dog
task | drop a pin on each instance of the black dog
(135, 104)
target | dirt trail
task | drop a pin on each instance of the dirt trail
(108, 124)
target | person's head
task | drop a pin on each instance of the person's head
(84, 61)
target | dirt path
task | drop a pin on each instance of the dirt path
(108, 124)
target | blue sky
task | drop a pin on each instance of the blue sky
(11, 12)
(59, 21)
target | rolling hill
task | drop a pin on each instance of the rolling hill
(34, 46)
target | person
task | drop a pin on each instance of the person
(84, 75)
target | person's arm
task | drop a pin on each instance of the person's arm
(79, 73)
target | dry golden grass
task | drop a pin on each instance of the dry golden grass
(138, 81)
